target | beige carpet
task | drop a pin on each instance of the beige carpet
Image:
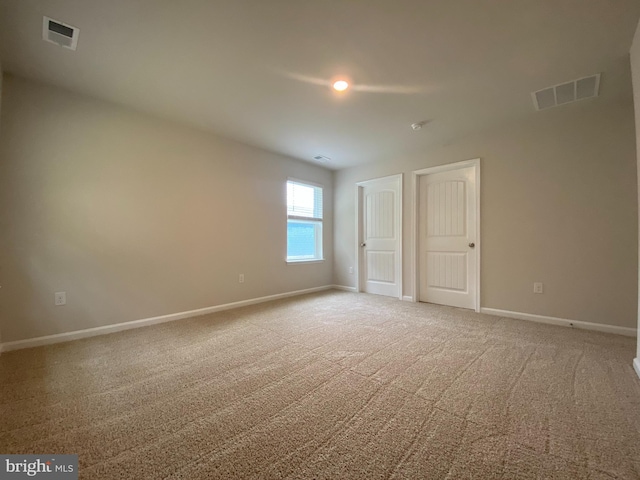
(334, 385)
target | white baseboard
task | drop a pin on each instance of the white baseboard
(407, 298)
(145, 322)
(345, 288)
(600, 327)
(118, 327)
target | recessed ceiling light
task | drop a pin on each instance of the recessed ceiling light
(340, 85)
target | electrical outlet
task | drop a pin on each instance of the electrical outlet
(61, 298)
(538, 287)
(241, 278)
(351, 270)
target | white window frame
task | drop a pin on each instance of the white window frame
(319, 222)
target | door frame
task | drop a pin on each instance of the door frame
(415, 278)
(359, 228)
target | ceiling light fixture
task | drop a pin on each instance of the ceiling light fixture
(340, 85)
(357, 87)
(418, 125)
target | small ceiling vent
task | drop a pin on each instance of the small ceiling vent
(322, 159)
(569, 92)
(60, 33)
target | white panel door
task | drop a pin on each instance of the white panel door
(447, 230)
(380, 239)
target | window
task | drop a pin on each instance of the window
(304, 222)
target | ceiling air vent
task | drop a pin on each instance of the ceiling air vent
(322, 159)
(569, 92)
(60, 33)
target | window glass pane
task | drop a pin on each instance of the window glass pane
(304, 200)
(304, 223)
(302, 240)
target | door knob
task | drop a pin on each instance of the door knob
(363, 244)
(472, 244)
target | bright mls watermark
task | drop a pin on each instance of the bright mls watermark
(51, 467)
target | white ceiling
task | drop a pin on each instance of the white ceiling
(228, 66)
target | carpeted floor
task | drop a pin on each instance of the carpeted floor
(333, 385)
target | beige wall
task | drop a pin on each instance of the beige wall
(0, 233)
(635, 71)
(134, 216)
(558, 205)
(0, 90)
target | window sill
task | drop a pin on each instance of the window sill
(297, 262)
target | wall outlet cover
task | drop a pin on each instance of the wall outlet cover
(60, 298)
